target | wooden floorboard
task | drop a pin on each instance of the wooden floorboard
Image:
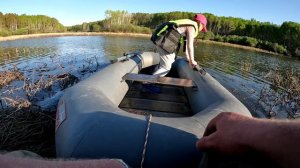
(159, 80)
(170, 102)
(154, 113)
(167, 90)
(154, 105)
(155, 96)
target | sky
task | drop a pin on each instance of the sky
(71, 12)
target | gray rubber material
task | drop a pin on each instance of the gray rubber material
(96, 128)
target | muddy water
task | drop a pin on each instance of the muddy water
(244, 73)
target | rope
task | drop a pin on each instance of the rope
(146, 140)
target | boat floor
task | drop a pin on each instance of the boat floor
(171, 101)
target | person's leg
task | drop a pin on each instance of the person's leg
(165, 63)
(161, 71)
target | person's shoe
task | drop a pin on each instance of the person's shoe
(152, 88)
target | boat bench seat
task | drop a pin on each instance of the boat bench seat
(159, 80)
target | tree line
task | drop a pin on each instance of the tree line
(13, 24)
(283, 39)
(115, 21)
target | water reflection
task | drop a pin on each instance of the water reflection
(22, 54)
(115, 46)
(244, 73)
(230, 59)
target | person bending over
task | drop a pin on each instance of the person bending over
(170, 35)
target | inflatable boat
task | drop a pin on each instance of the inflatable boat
(113, 115)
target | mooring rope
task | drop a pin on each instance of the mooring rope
(146, 140)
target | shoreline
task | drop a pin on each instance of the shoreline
(45, 35)
(242, 47)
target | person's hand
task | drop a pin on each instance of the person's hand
(227, 133)
(193, 63)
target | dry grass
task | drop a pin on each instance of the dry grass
(28, 129)
(246, 67)
(288, 81)
(9, 76)
(283, 95)
(24, 125)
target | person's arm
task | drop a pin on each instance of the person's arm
(230, 133)
(190, 45)
(16, 162)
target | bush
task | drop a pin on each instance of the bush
(219, 38)
(21, 31)
(206, 36)
(95, 28)
(279, 48)
(5, 33)
(129, 28)
(75, 28)
(242, 40)
(234, 39)
(275, 47)
(249, 41)
(265, 45)
(253, 42)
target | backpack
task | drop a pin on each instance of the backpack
(167, 37)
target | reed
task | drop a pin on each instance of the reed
(283, 95)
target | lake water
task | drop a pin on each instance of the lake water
(243, 72)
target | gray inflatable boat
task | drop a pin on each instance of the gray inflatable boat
(112, 115)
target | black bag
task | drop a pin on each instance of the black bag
(168, 39)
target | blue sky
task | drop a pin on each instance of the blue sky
(70, 12)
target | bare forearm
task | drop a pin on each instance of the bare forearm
(187, 53)
(14, 162)
(190, 50)
(280, 140)
(231, 133)
(190, 47)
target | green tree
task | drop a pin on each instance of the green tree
(85, 27)
(95, 27)
(11, 22)
(1, 21)
(290, 33)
